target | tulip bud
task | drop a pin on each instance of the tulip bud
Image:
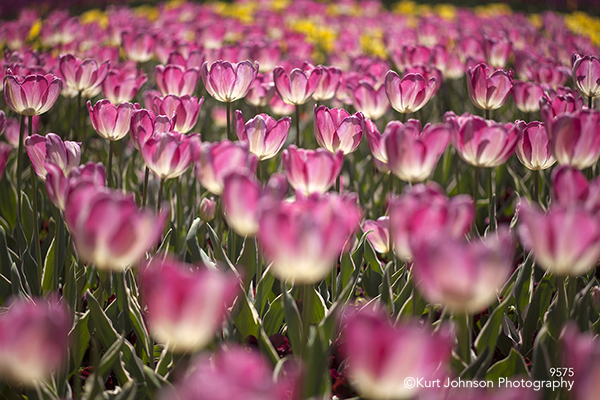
(208, 208)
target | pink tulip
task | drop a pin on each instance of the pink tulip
(215, 161)
(463, 276)
(569, 187)
(208, 209)
(409, 93)
(31, 95)
(580, 354)
(265, 136)
(228, 82)
(33, 340)
(382, 355)
(336, 129)
(138, 46)
(177, 80)
(168, 154)
(83, 76)
(121, 85)
(186, 304)
(235, 373)
(5, 151)
(110, 121)
(377, 143)
(51, 149)
(545, 72)
(423, 211)
(327, 86)
(482, 143)
(260, 91)
(413, 154)
(380, 235)
(311, 171)
(575, 139)
(488, 91)
(527, 96)
(532, 147)
(297, 87)
(303, 239)
(497, 52)
(564, 241)
(58, 185)
(145, 124)
(558, 102)
(186, 108)
(278, 107)
(268, 55)
(372, 103)
(115, 243)
(586, 75)
(411, 55)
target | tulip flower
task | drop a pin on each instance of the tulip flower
(83, 76)
(235, 373)
(243, 201)
(575, 139)
(265, 136)
(377, 143)
(532, 147)
(138, 47)
(586, 76)
(558, 102)
(462, 276)
(115, 243)
(569, 187)
(580, 353)
(5, 151)
(488, 91)
(215, 161)
(208, 209)
(228, 82)
(413, 154)
(260, 91)
(564, 241)
(168, 154)
(111, 121)
(303, 239)
(382, 356)
(121, 85)
(267, 53)
(527, 96)
(380, 235)
(371, 102)
(186, 108)
(51, 149)
(336, 129)
(409, 93)
(145, 124)
(297, 87)
(497, 52)
(33, 340)
(311, 171)
(176, 80)
(423, 211)
(31, 95)
(278, 107)
(58, 185)
(545, 72)
(327, 86)
(186, 304)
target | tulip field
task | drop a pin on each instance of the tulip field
(274, 199)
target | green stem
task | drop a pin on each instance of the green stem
(297, 108)
(79, 136)
(590, 102)
(178, 215)
(536, 186)
(492, 197)
(36, 221)
(487, 114)
(109, 176)
(463, 321)
(476, 185)
(19, 171)
(308, 298)
(160, 194)
(456, 171)
(228, 120)
(58, 243)
(145, 189)
(403, 117)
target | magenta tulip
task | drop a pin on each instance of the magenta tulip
(138, 46)
(379, 237)
(260, 91)
(145, 124)
(297, 87)
(377, 143)
(586, 75)
(168, 154)
(488, 90)
(311, 171)
(575, 139)
(580, 354)
(51, 149)
(497, 52)
(409, 93)
(186, 108)
(58, 185)
(110, 121)
(31, 95)
(83, 76)
(532, 147)
(208, 209)
(177, 80)
(527, 96)
(5, 151)
(373, 103)
(228, 82)
(555, 103)
(336, 129)
(265, 136)
(121, 85)
(569, 187)
(328, 84)
(186, 304)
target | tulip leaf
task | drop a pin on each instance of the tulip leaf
(521, 289)
(513, 365)
(263, 289)
(248, 259)
(488, 336)
(544, 352)
(246, 321)
(16, 284)
(266, 347)
(319, 308)
(387, 295)
(128, 391)
(70, 290)
(316, 380)
(109, 358)
(371, 281)
(292, 320)
(273, 318)
(79, 337)
(192, 243)
(48, 270)
(165, 362)
(5, 289)
(8, 201)
(535, 311)
(371, 257)
(5, 258)
(31, 272)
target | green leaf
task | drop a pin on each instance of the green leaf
(371, 257)
(319, 308)
(512, 366)
(79, 337)
(387, 296)
(5, 289)
(16, 284)
(266, 347)
(371, 281)
(293, 321)
(521, 289)
(488, 336)
(165, 362)
(109, 358)
(246, 321)
(317, 377)
(48, 271)
(263, 289)
(31, 272)
(274, 317)
(5, 258)
(191, 241)
(536, 310)
(8, 201)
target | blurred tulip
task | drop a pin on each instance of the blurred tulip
(488, 91)
(462, 276)
(580, 353)
(424, 211)
(586, 75)
(260, 91)
(186, 108)
(382, 357)
(532, 147)
(215, 161)
(5, 151)
(168, 154)
(121, 85)
(83, 76)
(115, 243)
(145, 124)
(377, 143)
(413, 154)
(303, 239)
(299, 86)
(555, 103)
(497, 52)
(265, 136)
(208, 209)
(335, 129)
(267, 53)
(176, 80)
(564, 241)
(380, 235)
(2, 121)
(31, 95)
(58, 185)
(228, 82)
(409, 93)
(327, 86)
(372, 103)
(527, 96)
(278, 107)
(186, 304)
(575, 138)
(138, 46)
(51, 149)
(33, 340)
(110, 121)
(569, 187)
(311, 171)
